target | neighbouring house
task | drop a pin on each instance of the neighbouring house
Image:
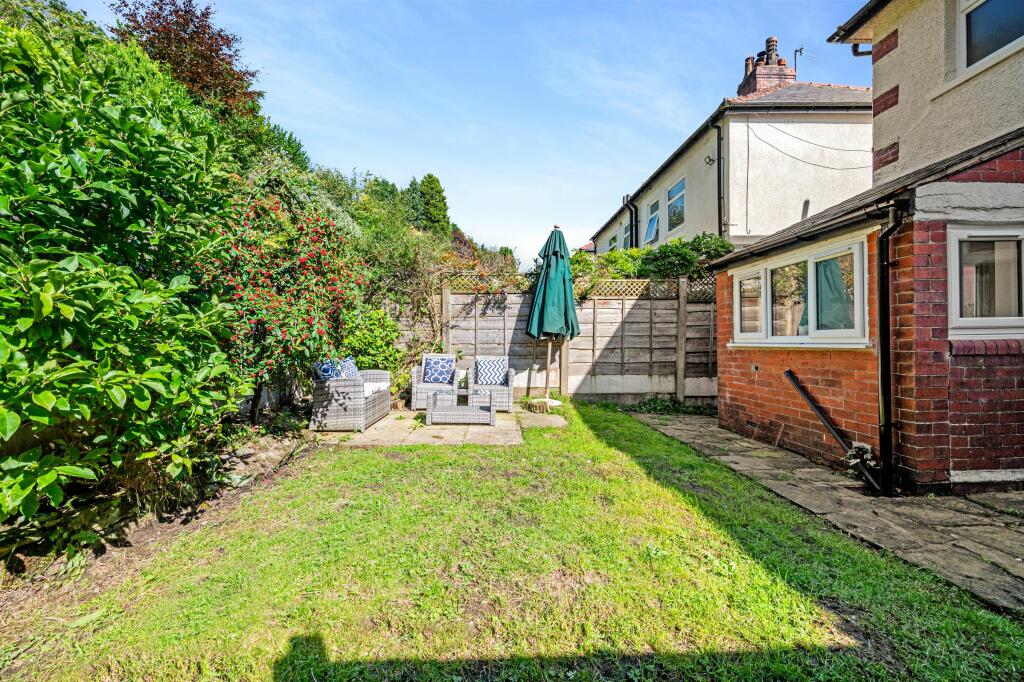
(777, 152)
(589, 247)
(899, 310)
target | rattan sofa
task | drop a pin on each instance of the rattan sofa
(423, 392)
(342, 404)
(498, 396)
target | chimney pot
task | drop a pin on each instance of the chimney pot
(765, 70)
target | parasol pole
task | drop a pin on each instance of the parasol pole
(547, 372)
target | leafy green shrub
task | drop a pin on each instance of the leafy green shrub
(624, 264)
(709, 248)
(371, 338)
(672, 259)
(111, 371)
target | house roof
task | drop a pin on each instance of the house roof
(867, 205)
(865, 14)
(806, 93)
(589, 247)
(791, 95)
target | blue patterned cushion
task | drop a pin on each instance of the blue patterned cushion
(438, 369)
(491, 371)
(336, 369)
(348, 368)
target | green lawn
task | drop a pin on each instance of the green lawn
(604, 551)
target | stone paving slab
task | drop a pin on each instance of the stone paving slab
(408, 428)
(975, 542)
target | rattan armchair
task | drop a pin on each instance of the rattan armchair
(422, 392)
(498, 396)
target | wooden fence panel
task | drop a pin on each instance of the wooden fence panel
(628, 347)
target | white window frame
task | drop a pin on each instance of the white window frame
(625, 237)
(964, 8)
(815, 338)
(738, 334)
(669, 200)
(613, 242)
(978, 327)
(647, 223)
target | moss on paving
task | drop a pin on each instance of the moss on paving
(602, 551)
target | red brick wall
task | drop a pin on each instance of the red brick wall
(986, 408)
(920, 354)
(762, 404)
(959, 405)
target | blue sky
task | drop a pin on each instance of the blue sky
(531, 113)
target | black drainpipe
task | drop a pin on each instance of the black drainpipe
(885, 420)
(718, 162)
(634, 220)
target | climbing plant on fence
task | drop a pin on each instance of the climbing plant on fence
(112, 184)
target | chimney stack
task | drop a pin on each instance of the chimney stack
(767, 70)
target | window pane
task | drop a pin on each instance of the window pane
(833, 288)
(789, 300)
(992, 25)
(676, 212)
(750, 305)
(990, 278)
(625, 238)
(676, 189)
(652, 229)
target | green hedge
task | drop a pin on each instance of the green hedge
(111, 180)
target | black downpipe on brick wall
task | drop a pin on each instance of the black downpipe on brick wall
(883, 298)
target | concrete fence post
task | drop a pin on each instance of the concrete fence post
(681, 323)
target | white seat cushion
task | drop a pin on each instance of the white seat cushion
(371, 387)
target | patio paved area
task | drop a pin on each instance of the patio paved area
(409, 428)
(976, 542)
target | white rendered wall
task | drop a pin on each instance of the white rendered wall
(777, 162)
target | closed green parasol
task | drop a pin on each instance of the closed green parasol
(553, 312)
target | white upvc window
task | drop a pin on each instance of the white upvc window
(815, 297)
(626, 236)
(651, 233)
(613, 242)
(988, 31)
(675, 200)
(986, 283)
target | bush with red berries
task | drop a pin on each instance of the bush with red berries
(291, 282)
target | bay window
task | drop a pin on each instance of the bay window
(813, 298)
(986, 286)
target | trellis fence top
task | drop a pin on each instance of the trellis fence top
(698, 290)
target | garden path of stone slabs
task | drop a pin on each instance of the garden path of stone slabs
(975, 542)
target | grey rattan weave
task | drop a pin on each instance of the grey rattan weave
(438, 412)
(500, 396)
(341, 404)
(421, 392)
